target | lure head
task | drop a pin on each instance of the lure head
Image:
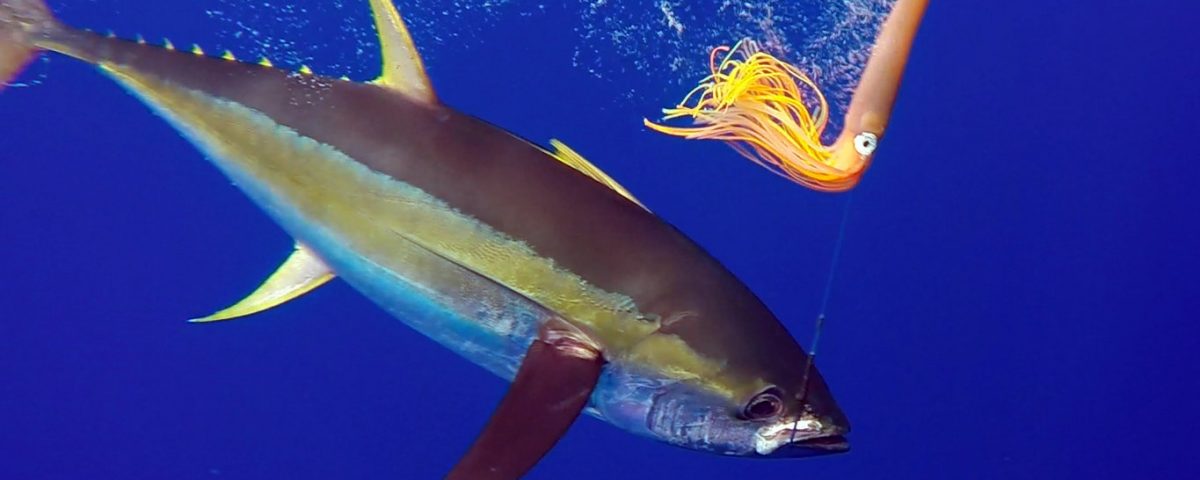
(851, 154)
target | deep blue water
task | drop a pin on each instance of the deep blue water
(1016, 297)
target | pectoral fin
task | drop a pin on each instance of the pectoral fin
(299, 274)
(552, 386)
(403, 69)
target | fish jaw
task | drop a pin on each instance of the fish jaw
(804, 436)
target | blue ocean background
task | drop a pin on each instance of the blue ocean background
(1016, 295)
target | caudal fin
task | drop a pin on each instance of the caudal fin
(22, 23)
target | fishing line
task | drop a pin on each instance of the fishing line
(820, 324)
(833, 263)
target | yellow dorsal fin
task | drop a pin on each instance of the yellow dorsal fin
(573, 159)
(403, 69)
(299, 274)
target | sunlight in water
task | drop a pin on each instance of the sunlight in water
(618, 41)
(668, 39)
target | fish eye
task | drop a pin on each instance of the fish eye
(865, 143)
(767, 404)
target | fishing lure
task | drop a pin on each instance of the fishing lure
(775, 114)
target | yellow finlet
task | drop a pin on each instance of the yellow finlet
(196, 50)
(167, 44)
(403, 69)
(265, 62)
(228, 55)
(304, 70)
(573, 159)
(300, 274)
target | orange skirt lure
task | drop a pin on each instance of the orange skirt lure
(774, 114)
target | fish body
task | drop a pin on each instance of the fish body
(529, 262)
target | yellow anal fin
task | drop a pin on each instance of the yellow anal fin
(573, 159)
(403, 69)
(300, 273)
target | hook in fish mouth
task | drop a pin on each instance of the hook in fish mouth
(804, 437)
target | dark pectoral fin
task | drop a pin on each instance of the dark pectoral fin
(552, 387)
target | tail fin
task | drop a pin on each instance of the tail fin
(22, 23)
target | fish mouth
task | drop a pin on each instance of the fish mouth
(811, 447)
(830, 444)
(804, 438)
